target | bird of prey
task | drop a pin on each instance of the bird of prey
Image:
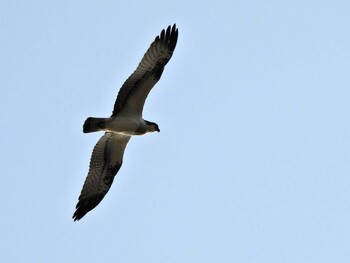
(125, 121)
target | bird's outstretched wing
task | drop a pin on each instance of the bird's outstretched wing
(106, 160)
(135, 89)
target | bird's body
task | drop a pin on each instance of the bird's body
(122, 124)
(126, 121)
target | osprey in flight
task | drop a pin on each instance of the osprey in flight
(126, 121)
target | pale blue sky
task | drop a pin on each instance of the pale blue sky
(252, 161)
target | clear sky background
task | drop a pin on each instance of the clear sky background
(252, 161)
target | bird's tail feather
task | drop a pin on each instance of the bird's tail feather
(94, 124)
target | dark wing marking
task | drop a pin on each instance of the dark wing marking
(135, 89)
(105, 162)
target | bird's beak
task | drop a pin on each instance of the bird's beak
(158, 130)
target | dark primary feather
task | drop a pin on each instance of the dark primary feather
(135, 89)
(105, 162)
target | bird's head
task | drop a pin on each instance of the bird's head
(152, 127)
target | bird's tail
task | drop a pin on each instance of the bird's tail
(94, 124)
